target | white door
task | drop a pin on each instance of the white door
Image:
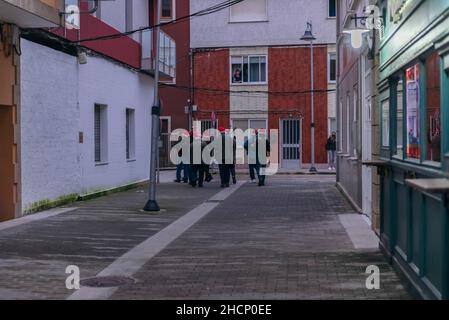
(290, 144)
(367, 110)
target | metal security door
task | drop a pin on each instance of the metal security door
(291, 144)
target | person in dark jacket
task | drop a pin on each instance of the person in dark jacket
(258, 161)
(225, 157)
(182, 167)
(197, 167)
(331, 147)
(232, 166)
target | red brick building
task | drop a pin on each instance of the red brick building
(252, 70)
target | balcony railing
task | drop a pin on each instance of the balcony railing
(167, 55)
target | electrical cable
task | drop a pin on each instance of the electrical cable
(210, 10)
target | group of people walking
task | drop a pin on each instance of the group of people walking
(195, 170)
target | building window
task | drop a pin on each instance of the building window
(130, 134)
(249, 69)
(332, 68)
(167, 10)
(433, 108)
(399, 119)
(129, 15)
(385, 109)
(332, 8)
(413, 96)
(100, 133)
(249, 11)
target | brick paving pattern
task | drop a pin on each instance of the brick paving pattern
(283, 241)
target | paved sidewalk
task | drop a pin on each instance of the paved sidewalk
(34, 256)
(283, 241)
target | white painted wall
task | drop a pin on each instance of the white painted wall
(49, 121)
(58, 97)
(113, 13)
(286, 25)
(104, 82)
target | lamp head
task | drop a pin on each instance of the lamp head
(308, 35)
(356, 37)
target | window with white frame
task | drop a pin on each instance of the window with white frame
(129, 15)
(130, 134)
(249, 11)
(249, 69)
(332, 8)
(100, 133)
(168, 9)
(332, 67)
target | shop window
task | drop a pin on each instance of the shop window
(413, 104)
(400, 119)
(433, 108)
(385, 123)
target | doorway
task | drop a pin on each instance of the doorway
(7, 186)
(290, 144)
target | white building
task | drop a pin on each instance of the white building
(84, 128)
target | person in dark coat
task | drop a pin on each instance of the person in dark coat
(258, 162)
(182, 168)
(225, 157)
(331, 147)
(197, 167)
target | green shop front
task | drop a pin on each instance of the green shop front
(413, 110)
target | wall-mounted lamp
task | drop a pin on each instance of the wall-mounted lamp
(369, 23)
(356, 37)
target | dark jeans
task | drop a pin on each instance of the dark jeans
(232, 168)
(198, 172)
(252, 171)
(225, 173)
(182, 167)
(255, 168)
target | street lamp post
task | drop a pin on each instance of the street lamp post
(308, 36)
(152, 204)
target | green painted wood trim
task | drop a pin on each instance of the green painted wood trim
(404, 115)
(422, 235)
(393, 116)
(422, 111)
(410, 224)
(392, 207)
(445, 115)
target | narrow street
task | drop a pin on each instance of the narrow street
(296, 238)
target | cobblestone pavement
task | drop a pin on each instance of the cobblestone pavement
(34, 256)
(283, 241)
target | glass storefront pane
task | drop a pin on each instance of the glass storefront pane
(413, 134)
(400, 120)
(385, 123)
(433, 105)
